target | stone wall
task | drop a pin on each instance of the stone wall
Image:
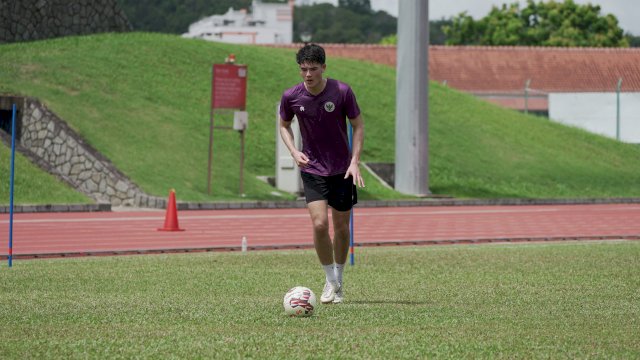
(52, 145)
(26, 20)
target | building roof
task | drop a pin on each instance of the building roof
(481, 69)
(505, 69)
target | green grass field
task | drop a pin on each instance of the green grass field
(143, 101)
(553, 300)
(31, 185)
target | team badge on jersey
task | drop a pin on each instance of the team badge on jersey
(329, 106)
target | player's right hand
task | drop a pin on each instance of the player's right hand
(301, 159)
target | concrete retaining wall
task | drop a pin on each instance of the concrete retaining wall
(56, 148)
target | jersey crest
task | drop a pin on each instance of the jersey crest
(329, 106)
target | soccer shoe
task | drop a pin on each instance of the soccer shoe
(339, 296)
(329, 292)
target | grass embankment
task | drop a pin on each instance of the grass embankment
(32, 185)
(143, 101)
(575, 300)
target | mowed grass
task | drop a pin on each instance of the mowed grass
(31, 185)
(555, 300)
(143, 101)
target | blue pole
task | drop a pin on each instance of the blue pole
(13, 157)
(351, 244)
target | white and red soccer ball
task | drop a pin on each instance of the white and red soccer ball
(299, 301)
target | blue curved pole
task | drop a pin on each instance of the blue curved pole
(13, 157)
(351, 243)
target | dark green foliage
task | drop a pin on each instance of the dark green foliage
(329, 24)
(174, 16)
(351, 22)
(436, 33)
(359, 6)
(539, 24)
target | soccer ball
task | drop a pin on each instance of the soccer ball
(299, 301)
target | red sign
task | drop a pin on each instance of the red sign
(229, 86)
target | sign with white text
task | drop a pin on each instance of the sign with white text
(229, 86)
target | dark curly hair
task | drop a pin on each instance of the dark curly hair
(311, 53)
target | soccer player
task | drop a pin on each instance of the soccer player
(329, 170)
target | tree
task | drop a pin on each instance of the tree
(174, 16)
(539, 24)
(357, 6)
(389, 40)
(436, 33)
(634, 41)
(329, 24)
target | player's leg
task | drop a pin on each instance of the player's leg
(342, 197)
(321, 238)
(324, 248)
(341, 235)
(316, 191)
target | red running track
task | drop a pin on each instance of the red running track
(73, 234)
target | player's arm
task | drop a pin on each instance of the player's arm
(356, 148)
(287, 137)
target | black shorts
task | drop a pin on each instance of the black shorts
(340, 193)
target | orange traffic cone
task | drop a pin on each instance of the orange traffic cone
(171, 218)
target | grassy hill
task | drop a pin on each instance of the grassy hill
(31, 185)
(143, 101)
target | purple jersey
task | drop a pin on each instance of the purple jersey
(323, 126)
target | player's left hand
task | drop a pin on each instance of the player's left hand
(354, 171)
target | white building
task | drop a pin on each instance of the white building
(267, 23)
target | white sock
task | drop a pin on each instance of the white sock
(339, 271)
(330, 273)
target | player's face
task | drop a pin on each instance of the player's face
(312, 74)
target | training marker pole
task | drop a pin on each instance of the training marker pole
(351, 256)
(13, 156)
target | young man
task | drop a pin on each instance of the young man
(329, 171)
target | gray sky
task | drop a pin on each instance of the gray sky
(627, 11)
